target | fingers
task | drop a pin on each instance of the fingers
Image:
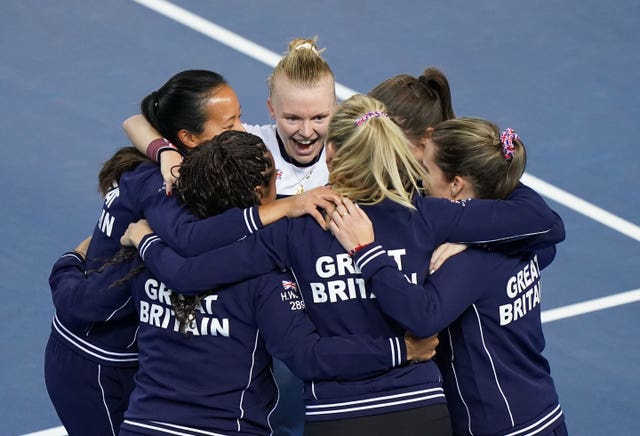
(442, 253)
(318, 217)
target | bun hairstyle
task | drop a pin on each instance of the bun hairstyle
(416, 103)
(303, 64)
(180, 102)
(473, 147)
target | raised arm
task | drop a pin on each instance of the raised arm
(150, 142)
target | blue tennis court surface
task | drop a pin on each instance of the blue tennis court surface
(563, 74)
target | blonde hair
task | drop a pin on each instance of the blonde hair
(302, 65)
(472, 147)
(372, 160)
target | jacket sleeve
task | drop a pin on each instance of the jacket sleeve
(523, 214)
(537, 242)
(253, 256)
(291, 337)
(82, 299)
(423, 309)
(184, 232)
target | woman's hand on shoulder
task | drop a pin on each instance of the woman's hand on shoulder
(444, 252)
(135, 232)
(351, 226)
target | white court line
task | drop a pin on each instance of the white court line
(584, 207)
(270, 58)
(55, 431)
(224, 36)
(591, 306)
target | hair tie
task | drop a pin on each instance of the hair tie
(368, 115)
(305, 45)
(506, 140)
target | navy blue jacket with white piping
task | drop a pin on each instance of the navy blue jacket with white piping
(486, 306)
(336, 296)
(218, 377)
(139, 194)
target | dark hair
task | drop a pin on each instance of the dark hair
(125, 159)
(472, 147)
(416, 103)
(218, 175)
(223, 173)
(179, 103)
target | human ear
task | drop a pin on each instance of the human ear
(456, 186)
(188, 138)
(427, 132)
(270, 107)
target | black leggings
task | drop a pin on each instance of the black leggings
(423, 421)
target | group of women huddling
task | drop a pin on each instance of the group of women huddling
(316, 241)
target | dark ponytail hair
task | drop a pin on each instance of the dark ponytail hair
(416, 104)
(179, 103)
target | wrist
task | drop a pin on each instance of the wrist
(157, 146)
(358, 248)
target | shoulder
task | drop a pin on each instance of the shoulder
(267, 132)
(142, 172)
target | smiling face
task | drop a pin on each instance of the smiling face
(302, 116)
(222, 111)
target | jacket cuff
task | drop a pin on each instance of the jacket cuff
(146, 242)
(398, 351)
(372, 258)
(252, 219)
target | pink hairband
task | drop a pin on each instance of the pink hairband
(506, 140)
(368, 115)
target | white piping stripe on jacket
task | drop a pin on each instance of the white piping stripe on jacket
(504, 239)
(368, 255)
(556, 411)
(375, 406)
(143, 248)
(81, 344)
(253, 362)
(249, 220)
(493, 367)
(116, 311)
(168, 431)
(104, 401)
(369, 400)
(455, 375)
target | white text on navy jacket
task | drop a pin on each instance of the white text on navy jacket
(105, 223)
(159, 313)
(343, 289)
(524, 289)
